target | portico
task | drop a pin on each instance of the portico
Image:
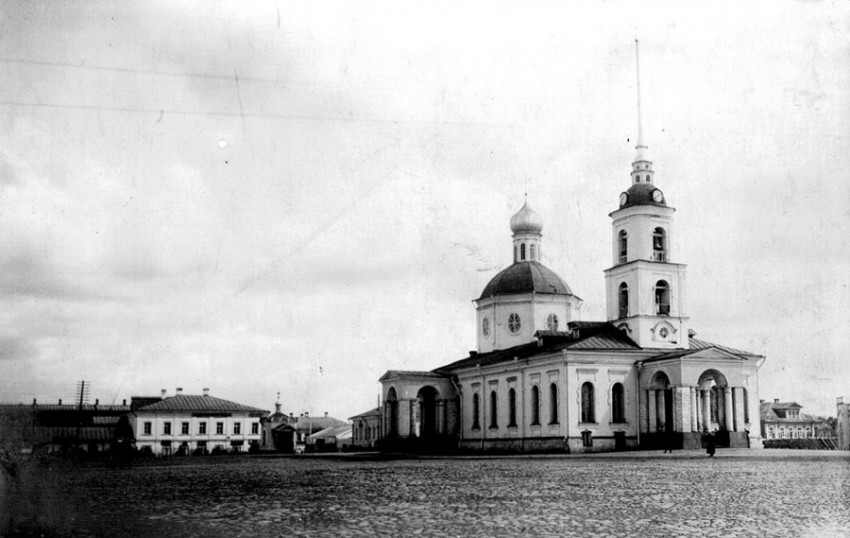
(693, 392)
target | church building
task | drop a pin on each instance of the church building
(543, 380)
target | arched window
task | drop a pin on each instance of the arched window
(511, 408)
(618, 404)
(516, 257)
(494, 408)
(624, 300)
(535, 406)
(588, 413)
(553, 403)
(522, 252)
(659, 245)
(531, 255)
(552, 322)
(476, 411)
(662, 298)
(624, 246)
(485, 326)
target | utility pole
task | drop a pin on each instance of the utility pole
(83, 389)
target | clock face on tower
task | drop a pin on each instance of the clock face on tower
(623, 199)
(657, 196)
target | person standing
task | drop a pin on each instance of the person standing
(710, 445)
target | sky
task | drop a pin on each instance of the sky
(295, 198)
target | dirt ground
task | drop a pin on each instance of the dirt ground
(747, 493)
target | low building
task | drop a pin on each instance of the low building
(270, 423)
(843, 424)
(366, 428)
(293, 436)
(185, 424)
(64, 428)
(784, 420)
(334, 439)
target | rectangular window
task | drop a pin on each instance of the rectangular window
(237, 428)
(184, 428)
(148, 428)
(219, 428)
(255, 428)
(166, 428)
(202, 428)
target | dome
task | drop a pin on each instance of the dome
(525, 277)
(641, 194)
(526, 220)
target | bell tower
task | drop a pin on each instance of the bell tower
(645, 289)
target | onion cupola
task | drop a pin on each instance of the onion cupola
(526, 296)
(526, 220)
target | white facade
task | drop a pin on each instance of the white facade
(184, 424)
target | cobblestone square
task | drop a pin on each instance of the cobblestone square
(738, 493)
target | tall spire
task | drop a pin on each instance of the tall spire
(640, 143)
(641, 147)
(641, 167)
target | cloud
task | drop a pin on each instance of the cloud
(15, 348)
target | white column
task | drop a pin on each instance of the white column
(662, 408)
(650, 400)
(682, 409)
(706, 409)
(727, 408)
(739, 409)
(692, 394)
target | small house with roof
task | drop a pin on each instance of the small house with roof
(294, 435)
(186, 424)
(333, 439)
(366, 428)
(785, 420)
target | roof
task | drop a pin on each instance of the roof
(641, 194)
(370, 413)
(595, 336)
(192, 403)
(699, 345)
(69, 408)
(525, 277)
(312, 424)
(332, 432)
(777, 412)
(408, 373)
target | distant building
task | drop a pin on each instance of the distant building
(366, 428)
(784, 420)
(62, 427)
(294, 435)
(270, 423)
(334, 439)
(188, 423)
(843, 424)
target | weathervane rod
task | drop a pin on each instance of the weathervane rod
(640, 118)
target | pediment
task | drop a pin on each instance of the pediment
(708, 354)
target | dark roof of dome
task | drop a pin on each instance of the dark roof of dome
(526, 277)
(641, 194)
